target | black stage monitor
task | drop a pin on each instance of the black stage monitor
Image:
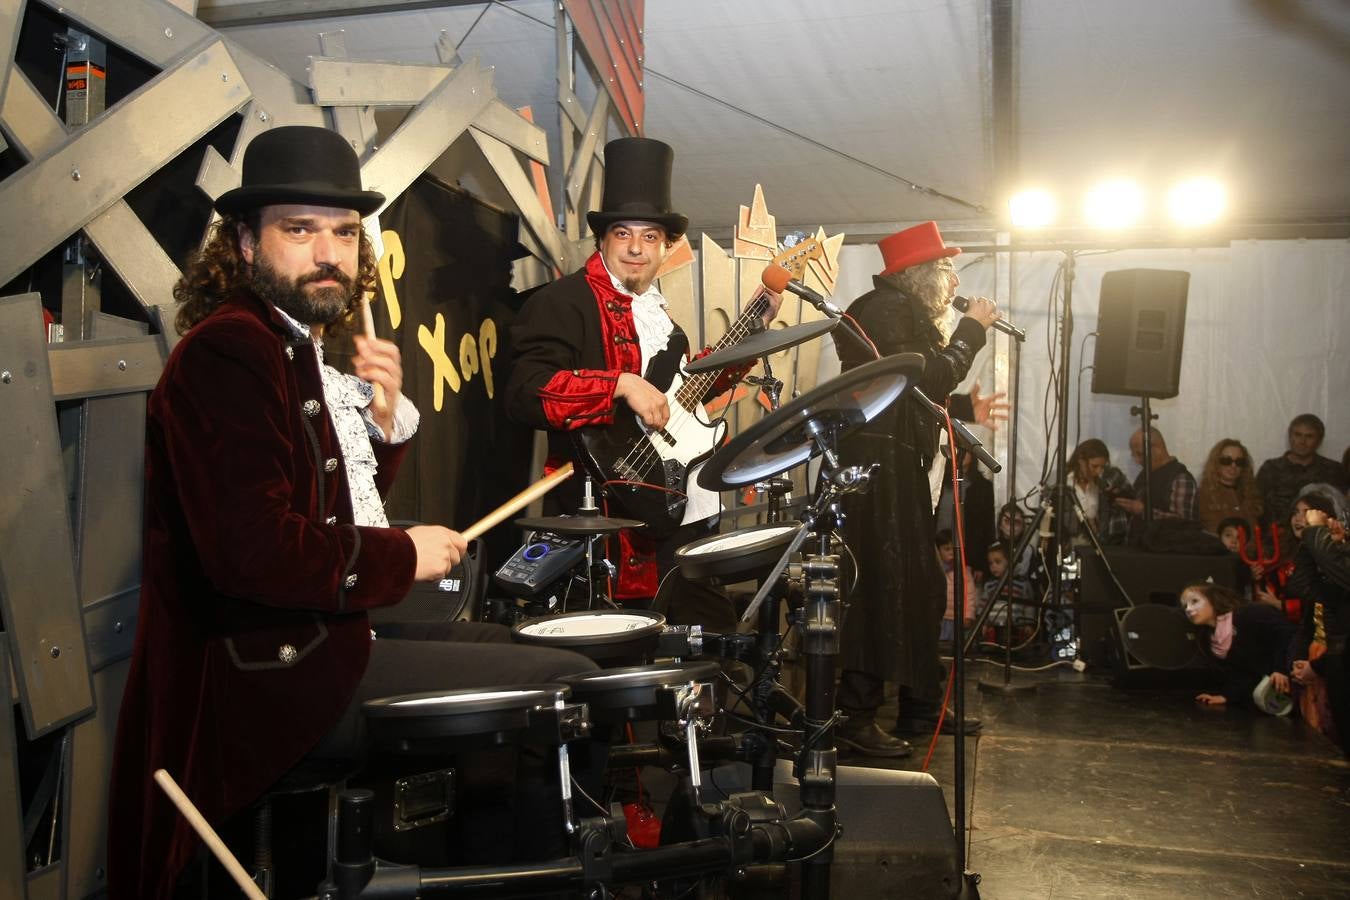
(1140, 325)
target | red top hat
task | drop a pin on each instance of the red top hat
(920, 244)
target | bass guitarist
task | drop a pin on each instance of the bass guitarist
(584, 343)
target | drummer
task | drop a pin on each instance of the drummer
(265, 536)
(583, 343)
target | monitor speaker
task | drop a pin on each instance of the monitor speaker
(1141, 321)
(1147, 579)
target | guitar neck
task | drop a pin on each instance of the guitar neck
(692, 391)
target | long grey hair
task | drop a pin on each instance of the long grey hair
(926, 285)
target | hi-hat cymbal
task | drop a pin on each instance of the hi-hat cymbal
(578, 525)
(771, 340)
(791, 435)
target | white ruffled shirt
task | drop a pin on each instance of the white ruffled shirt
(348, 399)
(654, 328)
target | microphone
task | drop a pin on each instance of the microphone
(777, 279)
(962, 304)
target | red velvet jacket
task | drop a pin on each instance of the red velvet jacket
(252, 633)
(572, 341)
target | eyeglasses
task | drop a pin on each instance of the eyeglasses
(1233, 461)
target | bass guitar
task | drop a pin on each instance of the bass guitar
(645, 471)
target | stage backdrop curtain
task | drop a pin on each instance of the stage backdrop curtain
(1266, 338)
(445, 299)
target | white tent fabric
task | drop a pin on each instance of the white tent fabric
(1266, 339)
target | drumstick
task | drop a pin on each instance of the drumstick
(368, 323)
(519, 501)
(208, 835)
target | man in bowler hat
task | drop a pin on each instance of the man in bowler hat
(265, 534)
(584, 343)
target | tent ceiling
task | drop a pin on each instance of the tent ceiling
(837, 108)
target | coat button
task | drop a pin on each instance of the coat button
(311, 408)
(330, 464)
(632, 560)
(331, 520)
(290, 352)
(287, 654)
(351, 580)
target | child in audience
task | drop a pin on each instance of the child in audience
(1245, 642)
(946, 551)
(1016, 590)
(1231, 531)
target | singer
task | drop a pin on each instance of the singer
(891, 631)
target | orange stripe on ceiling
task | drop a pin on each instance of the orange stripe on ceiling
(611, 34)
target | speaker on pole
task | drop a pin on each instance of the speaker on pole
(1141, 321)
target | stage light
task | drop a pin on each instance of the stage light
(1114, 204)
(1198, 201)
(1032, 209)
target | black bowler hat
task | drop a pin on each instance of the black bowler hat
(300, 164)
(637, 187)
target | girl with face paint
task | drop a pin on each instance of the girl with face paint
(1244, 642)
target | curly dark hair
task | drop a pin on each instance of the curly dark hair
(218, 269)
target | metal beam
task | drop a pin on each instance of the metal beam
(429, 129)
(158, 33)
(105, 367)
(11, 14)
(38, 595)
(11, 804)
(90, 172)
(341, 83)
(270, 11)
(521, 188)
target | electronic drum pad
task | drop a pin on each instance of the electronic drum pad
(787, 437)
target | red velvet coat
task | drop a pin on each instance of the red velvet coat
(572, 341)
(253, 632)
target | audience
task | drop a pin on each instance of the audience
(1228, 487)
(947, 554)
(1321, 577)
(1171, 485)
(1231, 532)
(1245, 642)
(977, 511)
(1096, 483)
(1281, 478)
(1016, 590)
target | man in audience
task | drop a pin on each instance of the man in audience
(1281, 478)
(1171, 486)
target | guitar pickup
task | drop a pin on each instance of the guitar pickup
(626, 472)
(665, 435)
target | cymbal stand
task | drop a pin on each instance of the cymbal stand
(817, 577)
(598, 567)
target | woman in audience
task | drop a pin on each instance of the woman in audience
(1227, 486)
(1096, 483)
(1245, 641)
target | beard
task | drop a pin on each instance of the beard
(321, 306)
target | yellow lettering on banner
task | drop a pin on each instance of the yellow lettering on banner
(443, 370)
(487, 351)
(391, 267)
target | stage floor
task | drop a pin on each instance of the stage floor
(1082, 790)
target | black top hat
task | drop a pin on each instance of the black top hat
(300, 164)
(637, 187)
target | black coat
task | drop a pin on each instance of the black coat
(896, 606)
(1260, 646)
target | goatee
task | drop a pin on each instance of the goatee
(318, 306)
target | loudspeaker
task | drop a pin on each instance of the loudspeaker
(897, 838)
(1147, 578)
(1141, 321)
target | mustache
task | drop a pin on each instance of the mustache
(325, 273)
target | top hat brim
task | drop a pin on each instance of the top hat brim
(242, 199)
(674, 223)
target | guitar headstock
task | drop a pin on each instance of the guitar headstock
(795, 258)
